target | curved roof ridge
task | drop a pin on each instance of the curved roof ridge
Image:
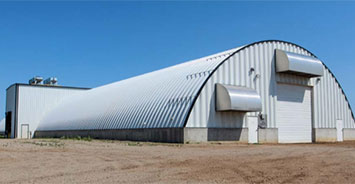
(158, 98)
(206, 58)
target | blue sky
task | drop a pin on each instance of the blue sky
(88, 44)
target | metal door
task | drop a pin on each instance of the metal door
(25, 134)
(294, 113)
(252, 129)
(340, 127)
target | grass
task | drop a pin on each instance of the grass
(134, 144)
(48, 143)
(56, 142)
(78, 138)
(53, 142)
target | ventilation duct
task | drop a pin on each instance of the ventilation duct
(51, 81)
(237, 98)
(288, 62)
(36, 80)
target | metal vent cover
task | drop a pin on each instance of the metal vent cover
(288, 62)
(237, 98)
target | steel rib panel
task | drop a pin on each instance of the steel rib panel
(128, 103)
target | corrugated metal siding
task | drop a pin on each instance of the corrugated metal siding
(294, 113)
(11, 105)
(236, 71)
(330, 103)
(35, 102)
(292, 79)
(159, 99)
(163, 98)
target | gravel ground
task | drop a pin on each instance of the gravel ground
(98, 161)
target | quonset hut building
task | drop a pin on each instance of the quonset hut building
(268, 91)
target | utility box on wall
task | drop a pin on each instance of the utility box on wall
(262, 121)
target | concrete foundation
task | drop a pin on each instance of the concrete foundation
(215, 134)
(349, 134)
(268, 135)
(228, 134)
(172, 135)
(183, 135)
(324, 135)
(195, 135)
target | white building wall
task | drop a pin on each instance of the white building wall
(36, 101)
(330, 104)
(329, 101)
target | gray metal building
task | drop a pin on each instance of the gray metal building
(268, 91)
(26, 104)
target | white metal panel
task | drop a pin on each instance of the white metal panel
(330, 103)
(260, 56)
(159, 99)
(294, 113)
(35, 101)
(238, 69)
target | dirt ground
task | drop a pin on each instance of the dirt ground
(82, 161)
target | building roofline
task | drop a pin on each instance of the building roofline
(46, 86)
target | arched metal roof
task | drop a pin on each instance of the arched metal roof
(159, 99)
